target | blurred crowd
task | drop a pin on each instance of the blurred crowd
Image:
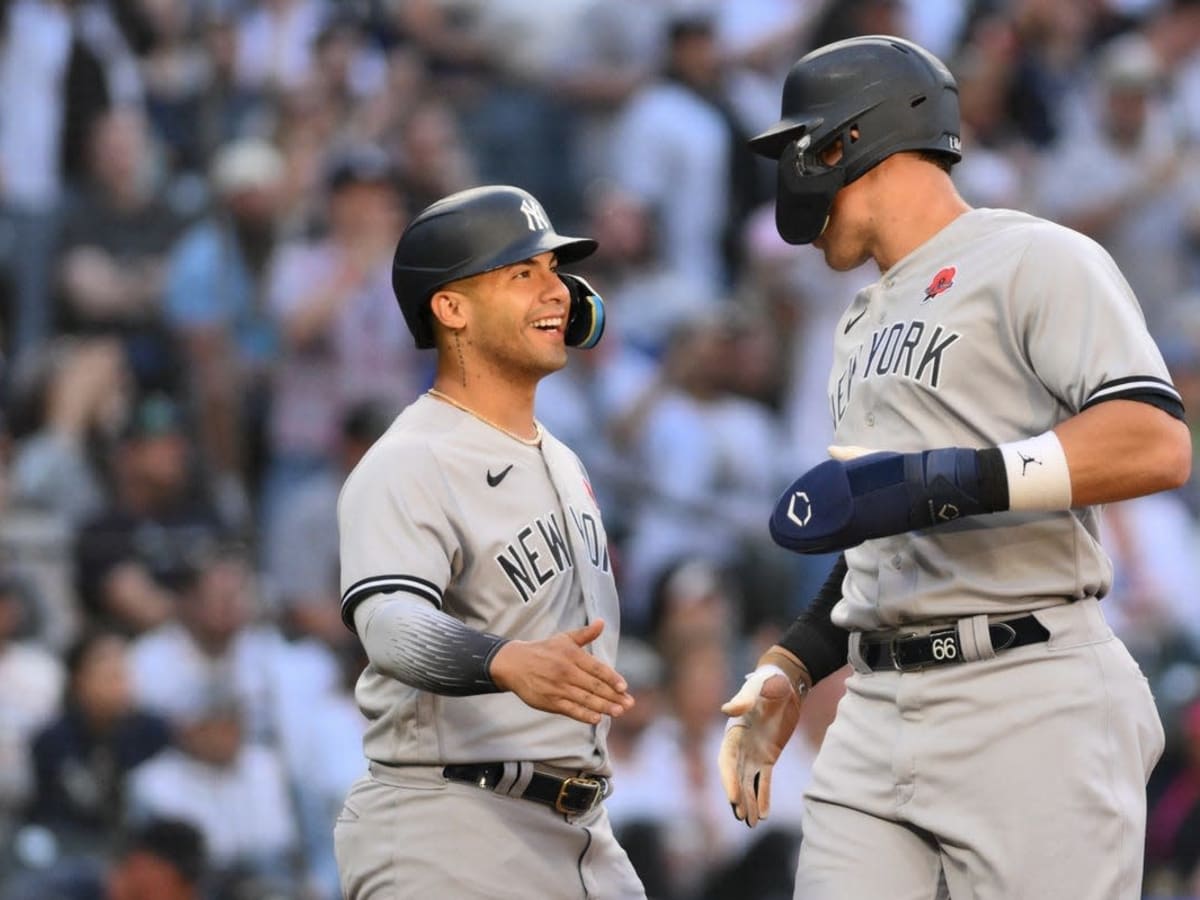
(198, 204)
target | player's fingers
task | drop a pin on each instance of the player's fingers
(578, 711)
(749, 789)
(588, 633)
(595, 677)
(760, 684)
(763, 791)
(602, 678)
(604, 703)
(727, 763)
(743, 700)
(847, 452)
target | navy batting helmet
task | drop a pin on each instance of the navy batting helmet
(894, 95)
(475, 231)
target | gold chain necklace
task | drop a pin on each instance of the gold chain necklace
(534, 441)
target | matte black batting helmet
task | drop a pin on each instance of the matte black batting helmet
(475, 231)
(899, 97)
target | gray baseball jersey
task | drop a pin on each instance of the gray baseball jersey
(997, 329)
(503, 536)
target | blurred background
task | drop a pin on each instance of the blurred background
(198, 204)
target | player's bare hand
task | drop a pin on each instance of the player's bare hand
(559, 676)
(764, 715)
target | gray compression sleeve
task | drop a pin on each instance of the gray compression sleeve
(409, 639)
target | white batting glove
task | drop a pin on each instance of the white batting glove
(765, 712)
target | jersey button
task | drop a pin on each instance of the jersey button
(897, 561)
(871, 420)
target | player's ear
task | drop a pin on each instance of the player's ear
(448, 307)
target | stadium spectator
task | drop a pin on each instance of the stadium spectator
(333, 301)
(83, 758)
(232, 790)
(31, 679)
(81, 398)
(682, 152)
(1137, 211)
(216, 306)
(302, 554)
(63, 64)
(702, 454)
(131, 557)
(163, 859)
(115, 241)
(211, 646)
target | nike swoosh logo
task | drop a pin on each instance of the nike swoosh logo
(494, 480)
(854, 321)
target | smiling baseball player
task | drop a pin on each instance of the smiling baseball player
(475, 571)
(989, 393)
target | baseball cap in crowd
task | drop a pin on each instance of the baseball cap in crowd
(688, 23)
(176, 842)
(246, 164)
(154, 415)
(1130, 64)
(361, 164)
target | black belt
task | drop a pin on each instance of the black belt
(909, 652)
(572, 795)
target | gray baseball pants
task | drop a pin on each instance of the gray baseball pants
(1021, 775)
(408, 832)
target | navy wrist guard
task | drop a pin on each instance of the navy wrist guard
(837, 505)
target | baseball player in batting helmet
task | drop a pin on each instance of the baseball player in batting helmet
(475, 571)
(989, 393)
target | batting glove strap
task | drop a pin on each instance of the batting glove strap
(839, 504)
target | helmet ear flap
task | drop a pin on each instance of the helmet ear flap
(803, 199)
(585, 319)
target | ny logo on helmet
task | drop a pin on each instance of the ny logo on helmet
(535, 216)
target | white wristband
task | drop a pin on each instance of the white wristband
(769, 670)
(1038, 477)
(765, 671)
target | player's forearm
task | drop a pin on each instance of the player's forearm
(813, 646)
(406, 638)
(1118, 449)
(1123, 449)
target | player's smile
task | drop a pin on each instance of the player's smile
(554, 324)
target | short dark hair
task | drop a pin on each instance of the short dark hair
(943, 161)
(180, 844)
(80, 650)
(689, 25)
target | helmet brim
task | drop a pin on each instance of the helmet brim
(572, 249)
(568, 250)
(772, 142)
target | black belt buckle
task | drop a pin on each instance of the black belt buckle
(894, 649)
(578, 795)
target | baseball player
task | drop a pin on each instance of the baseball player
(989, 392)
(475, 571)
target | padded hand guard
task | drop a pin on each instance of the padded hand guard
(837, 505)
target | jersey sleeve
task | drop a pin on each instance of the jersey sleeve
(394, 533)
(1081, 328)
